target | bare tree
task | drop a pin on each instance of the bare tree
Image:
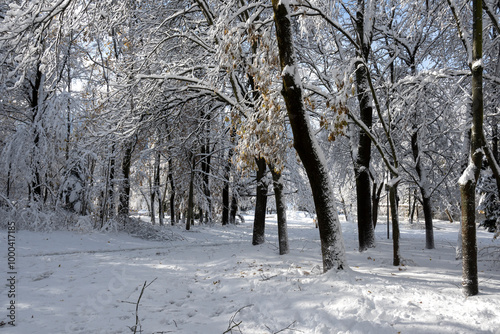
(332, 243)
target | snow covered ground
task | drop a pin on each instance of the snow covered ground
(210, 279)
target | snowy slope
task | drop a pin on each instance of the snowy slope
(211, 279)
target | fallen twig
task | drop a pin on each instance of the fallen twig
(232, 323)
(286, 328)
(137, 321)
(265, 277)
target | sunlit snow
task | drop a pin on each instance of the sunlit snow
(210, 279)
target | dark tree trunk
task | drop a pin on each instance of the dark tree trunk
(111, 189)
(332, 244)
(205, 167)
(161, 215)
(206, 187)
(376, 202)
(225, 192)
(36, 184)
(190, 208)
(469, 247)
(429, 230)
(468, 181)
(124, 198)
(281, 211)
(423, 186)
(413, 207)
(393, 197)
(234, 207)
(227, 175)
(172, 192)
(152, 195)
(259, 223)
(494, 135)
(157, 187)
(366, 233)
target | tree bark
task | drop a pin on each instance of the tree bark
(281, 211)
(152, 195)
(429, 229)
(111, 189)
(259, 223)
(468, 183)
(205, 165)
(234, 207)
(332, 244)
(36, 183)
(157, 187)
(124, 198)
(375, 202)
(426, 201)
(190, 208)
(393, 197)
(172, 192)
(366, 233)
(225, 190)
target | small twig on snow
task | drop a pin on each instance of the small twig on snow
(137, 321)
(265, 277)
(232, 323)
(286, 328)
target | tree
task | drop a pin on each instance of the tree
(470, 177)
(468, 180)
(364, 23)
(332, 244)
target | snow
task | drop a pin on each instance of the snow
(211, 278)
(467, 175)
(476, 64)
(394, 181)
(289, 70)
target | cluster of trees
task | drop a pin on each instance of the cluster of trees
(196, 104)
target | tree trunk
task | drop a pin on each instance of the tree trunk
(157, 187)
(494, 139)
(413, 208)
(172, 192)
(225, 192)
(366, 233)
(376, 202)
(332, 244)
(124, 198)
(152, 195)
(227, 175)
(469, 179)
(234, 207)
(205, 167)
(259, 223)
(450, 218)
(347, 212)
(37, 86)
(429, 229)
(281, 211)
(161, 215)
(423, 185)
(469, 247)
(111, 189)
(393, 197)
(190, 208)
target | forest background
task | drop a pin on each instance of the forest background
(191, 110)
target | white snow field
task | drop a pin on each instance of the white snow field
(212, 280)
